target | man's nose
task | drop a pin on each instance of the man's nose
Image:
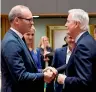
(66, 24)
(32, 23)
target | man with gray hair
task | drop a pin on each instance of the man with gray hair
(19, 71)
(81, 68)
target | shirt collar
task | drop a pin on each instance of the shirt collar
(68, 50)
(17, 32)
(79, 36)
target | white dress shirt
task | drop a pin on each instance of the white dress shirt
(17, 32)
(68, 55)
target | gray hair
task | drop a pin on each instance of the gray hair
(81, 16)
(16, 11)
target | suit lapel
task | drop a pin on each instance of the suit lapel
(27, 52)
(63, 51)
(24, 46)
(71, 60)
(83, 35)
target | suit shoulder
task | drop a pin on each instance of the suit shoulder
(60, 49)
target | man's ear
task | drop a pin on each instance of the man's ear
(16, 20)
(77, 23)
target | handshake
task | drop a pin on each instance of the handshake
(49, 74)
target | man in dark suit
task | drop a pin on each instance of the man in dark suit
(81, 67)
(60, 60)
(19, 71)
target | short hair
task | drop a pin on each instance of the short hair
(16, 11)
(81, 16)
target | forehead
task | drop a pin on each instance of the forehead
(31, 32)
(27, 13)
(69, 17)
(45, 38)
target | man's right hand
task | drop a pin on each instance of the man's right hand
(49, 74)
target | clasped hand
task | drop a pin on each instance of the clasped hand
(49, 74)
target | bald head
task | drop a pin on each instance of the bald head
(17, 11)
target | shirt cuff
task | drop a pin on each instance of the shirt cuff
(64, 81)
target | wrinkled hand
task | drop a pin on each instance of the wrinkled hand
(61, 78)
(51, 69)
(49, 74)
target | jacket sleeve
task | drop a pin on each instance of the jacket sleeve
(83, 68)
(13, 57)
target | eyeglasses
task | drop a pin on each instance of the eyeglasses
(30, 19)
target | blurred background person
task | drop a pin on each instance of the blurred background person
(65, 39)
(60, 58)
(29, 39)
(44, 48)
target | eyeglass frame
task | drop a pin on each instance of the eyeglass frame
(30, 19)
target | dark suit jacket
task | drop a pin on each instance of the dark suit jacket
(81, 68)
(19, 72)
(59, 60)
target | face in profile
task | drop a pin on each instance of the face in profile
(72, 26)
(25, 21)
